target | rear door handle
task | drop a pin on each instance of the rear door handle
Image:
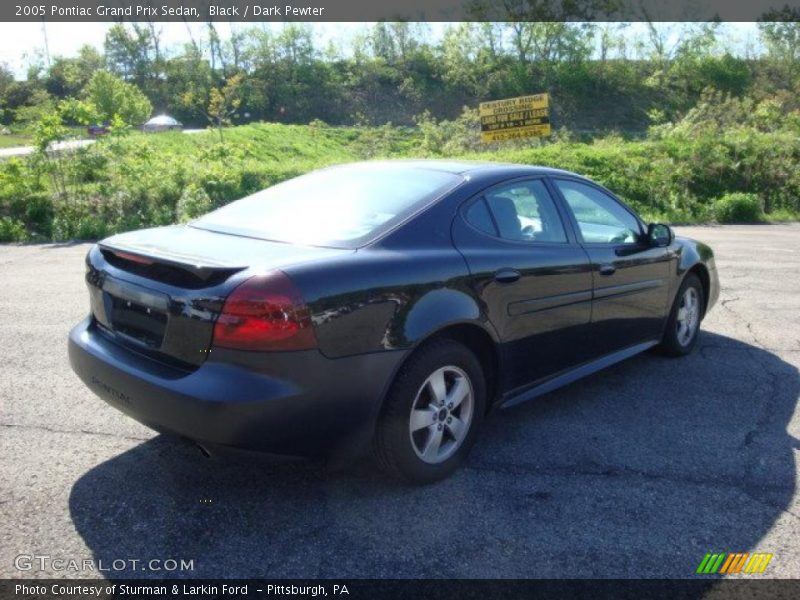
(506, 275)
(607, 270)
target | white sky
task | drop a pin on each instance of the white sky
(21, 43)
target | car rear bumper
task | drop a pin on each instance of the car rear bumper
(295, 403)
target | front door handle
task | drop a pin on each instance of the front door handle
(607, 270)
(506, 275)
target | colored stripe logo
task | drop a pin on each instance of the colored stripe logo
(734, 562)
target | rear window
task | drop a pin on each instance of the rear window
(341, 206)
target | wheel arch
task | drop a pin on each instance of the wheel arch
(692, 258)
(484, 346)
(478, 337)
(703, 275)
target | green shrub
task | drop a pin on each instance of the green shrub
(783, 214)
(451, 137)
(193, 203)
(11, 230)
(738, 208)
(91, 227)
(38, 215)
(90, 164)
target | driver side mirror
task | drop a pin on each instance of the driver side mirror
(659, 235)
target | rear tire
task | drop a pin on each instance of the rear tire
(432, 413)
(683, 324)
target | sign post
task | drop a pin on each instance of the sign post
(514, 118)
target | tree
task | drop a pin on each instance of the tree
(68, 76)
(51, 129)
(113, 97)
(128, 52)
(780, 31)
(551, 41)
(224, 102)
(38, 104)
(382, 43)
(135, 54)
(188, 82)
(468, 55)
(7, 84)
(612, 41)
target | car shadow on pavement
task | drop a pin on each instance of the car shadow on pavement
(637, 471)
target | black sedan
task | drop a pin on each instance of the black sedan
(383, 305)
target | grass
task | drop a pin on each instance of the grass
(275, 142)
(782, 215)
(14, 140)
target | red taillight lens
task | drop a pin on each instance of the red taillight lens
(142, 260)
(266, 312)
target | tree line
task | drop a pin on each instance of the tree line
(601, 76)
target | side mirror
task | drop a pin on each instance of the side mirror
(659, 235)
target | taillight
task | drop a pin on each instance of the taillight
(266, 312)
(142, 260)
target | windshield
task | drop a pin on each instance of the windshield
(341, 206)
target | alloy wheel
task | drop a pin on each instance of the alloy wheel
(688, 316)
(441, 414)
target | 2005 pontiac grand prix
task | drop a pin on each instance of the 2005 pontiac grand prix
(382, 305)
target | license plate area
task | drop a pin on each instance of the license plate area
(135, 312)
(139, 322)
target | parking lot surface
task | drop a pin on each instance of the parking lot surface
(637, 471)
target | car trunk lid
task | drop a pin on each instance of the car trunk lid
(159, 291)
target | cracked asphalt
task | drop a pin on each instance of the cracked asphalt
(637, 471)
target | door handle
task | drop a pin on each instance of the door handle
(607, 270)
(506, 275)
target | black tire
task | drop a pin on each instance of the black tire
(394, 445)
(672, 344)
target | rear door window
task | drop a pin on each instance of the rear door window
(524, 211)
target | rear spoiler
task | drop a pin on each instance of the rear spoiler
(143, 257)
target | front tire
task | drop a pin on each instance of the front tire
(683, 324)
(430, 418)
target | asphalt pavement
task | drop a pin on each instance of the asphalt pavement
(637, 471)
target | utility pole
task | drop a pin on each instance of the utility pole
(46, 44)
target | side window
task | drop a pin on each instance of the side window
(478, 216)
(524, 211)
(600, 218)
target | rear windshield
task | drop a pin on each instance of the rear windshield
(341, 206)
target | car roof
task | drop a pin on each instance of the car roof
(466, 167)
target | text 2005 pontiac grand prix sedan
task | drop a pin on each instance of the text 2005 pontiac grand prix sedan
(388, 305)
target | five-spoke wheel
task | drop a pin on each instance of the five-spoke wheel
(432, 412)
(688, 316)
(683, 325)
(441, 414)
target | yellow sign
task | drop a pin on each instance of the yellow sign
(512, 118)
